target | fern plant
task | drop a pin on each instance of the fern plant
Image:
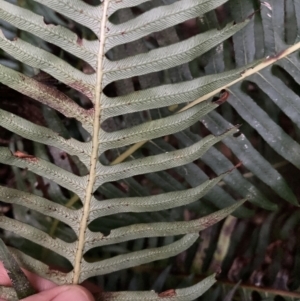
(101, 59)
(265, 101)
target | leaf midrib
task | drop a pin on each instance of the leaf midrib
(95, 146)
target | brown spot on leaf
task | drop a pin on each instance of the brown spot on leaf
(25, 107)
(252, 14)
(22, 155)
(167, 294)
(223, 97)
(79, 86)
(275, 57)
(236, 166)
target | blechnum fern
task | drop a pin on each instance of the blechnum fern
(96, 54)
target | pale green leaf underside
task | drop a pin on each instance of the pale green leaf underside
(45, 168)
(136, 258)
(41, 205)
(108, 265)
(167, 95)
(178, 295)
(157, 229)
(106, 71)
(158, 162)
(87, 15)
(156, 128)
(46, 95)
(152, 61)
(41, 59)
(116, 236)
(157, 19)
(43, 135)
(184, 294)
(58, 35)
(57, 245)
(168, 56)
(152, 203)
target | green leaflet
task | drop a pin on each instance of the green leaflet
(153, 203)
(158, 229)
(176, 295)
(44, 94)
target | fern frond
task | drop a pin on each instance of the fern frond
(95, 176)
(272, 90)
